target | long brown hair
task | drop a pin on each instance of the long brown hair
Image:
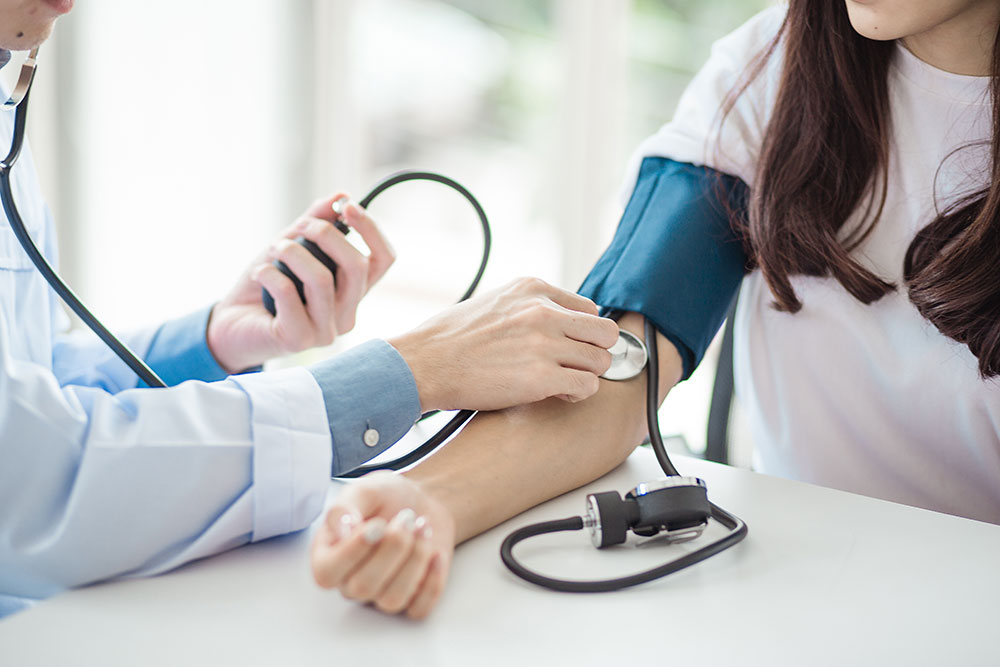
(825, 155)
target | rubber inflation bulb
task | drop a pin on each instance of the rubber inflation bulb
(315, 251)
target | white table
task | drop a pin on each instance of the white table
(824, 578)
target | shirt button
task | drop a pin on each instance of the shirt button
(371, 437)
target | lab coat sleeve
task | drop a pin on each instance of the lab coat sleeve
(95, 484)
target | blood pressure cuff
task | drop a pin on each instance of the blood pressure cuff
(675, 257)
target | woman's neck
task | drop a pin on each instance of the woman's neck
(962, 44)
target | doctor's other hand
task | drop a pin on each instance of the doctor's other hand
(387, 542)
(242, 333)
(518, 344)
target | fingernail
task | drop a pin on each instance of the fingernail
(422, 528)
(346, 526)
(405, 520)
(374, 530)
(339, 204)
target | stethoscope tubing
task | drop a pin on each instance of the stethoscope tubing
(132, 360)
(737, 529)
(462, 416)
(138, 366)
(413, 175)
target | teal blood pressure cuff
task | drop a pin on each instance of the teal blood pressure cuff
(675, 257)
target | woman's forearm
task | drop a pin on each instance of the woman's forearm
(507, 461)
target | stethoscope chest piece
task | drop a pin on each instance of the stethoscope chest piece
(628, 357)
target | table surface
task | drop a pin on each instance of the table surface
(823, 578)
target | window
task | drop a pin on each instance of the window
(173, 155)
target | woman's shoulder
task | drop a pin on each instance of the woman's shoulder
(721, 118)
(748, 60)
(755, 34)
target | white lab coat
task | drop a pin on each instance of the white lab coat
(98, 478)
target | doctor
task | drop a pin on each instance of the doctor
(100, 478)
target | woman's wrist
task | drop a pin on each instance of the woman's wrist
(442, 494)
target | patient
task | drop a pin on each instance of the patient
(868, 330)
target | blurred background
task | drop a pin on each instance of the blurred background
(176, 139)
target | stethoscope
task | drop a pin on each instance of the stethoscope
(675, 509)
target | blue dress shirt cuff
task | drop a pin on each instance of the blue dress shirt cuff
(179, 351)
(371, 401)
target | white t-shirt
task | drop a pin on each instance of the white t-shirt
(866, 398)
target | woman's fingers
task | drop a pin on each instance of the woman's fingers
(399, 593)
(382, 564)
(385, 563)
(430, 590)
(390, 568)
(333, 563)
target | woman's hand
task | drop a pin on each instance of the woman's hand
(388, 542)
(242, 333)
(518, 344)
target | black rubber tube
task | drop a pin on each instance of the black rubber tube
(420, 452)
(137, 365)
(737, 528)
(462, 416)
(413, 175)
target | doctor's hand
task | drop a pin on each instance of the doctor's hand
(387, 542)
(518, 344)
(242, 333)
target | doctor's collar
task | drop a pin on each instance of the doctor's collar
(4, 57)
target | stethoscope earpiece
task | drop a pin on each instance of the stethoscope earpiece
(24, 78)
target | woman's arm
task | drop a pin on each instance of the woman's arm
(373, 548)
(508, 461)
(674, 257)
